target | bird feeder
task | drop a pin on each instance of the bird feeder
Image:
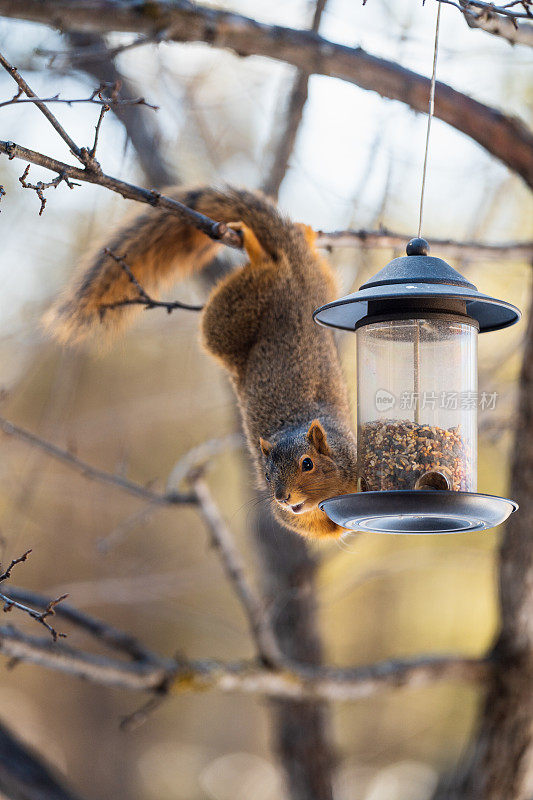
(416, 323)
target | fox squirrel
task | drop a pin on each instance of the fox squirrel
(258, 323)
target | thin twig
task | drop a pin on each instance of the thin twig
(138, 717)
(40, 187)
(39, 616)
(73, 147)
(95, 53)
(93, 473)
(137, 519)
(234, 568)
(504, 11)
(96, 101)
(144, 298)
(449, 247)
(496, 21)
(7, 573)
(48, 609)
(101, 631)
(103, 110)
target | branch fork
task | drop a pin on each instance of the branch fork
(39, 616)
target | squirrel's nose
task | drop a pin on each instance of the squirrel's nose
(281, 496)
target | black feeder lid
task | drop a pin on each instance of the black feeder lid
(415, 279)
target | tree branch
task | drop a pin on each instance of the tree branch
(91, 56)
(104, 633)
(299, 683)
(71, 144)
(286, 139)
(506, 138)
(498, 21)
(133, 675)
(350, 238)
(93, 473)
(234, 568)
(499, 763)
(215, 230)
(143, 298)
(452, 249)
(200, 497)
(218, 231)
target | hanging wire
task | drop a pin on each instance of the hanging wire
(430, 117)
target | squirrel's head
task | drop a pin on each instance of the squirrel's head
(300, 470)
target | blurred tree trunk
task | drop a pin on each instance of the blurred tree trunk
(24, 776)
(300, 729)
(500, 763)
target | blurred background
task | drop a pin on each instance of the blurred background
(141, 406)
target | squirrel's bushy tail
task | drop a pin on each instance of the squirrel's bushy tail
(159, 247)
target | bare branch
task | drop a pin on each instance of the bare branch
(234, 568)
(38, 616)
(7, 572)
(40, 186)
(453, 249)
(231, 238)
(48, 609)
(498, 21)
(95, 101)
(97, 52)
(507, 10)
(503, 136)
(298, 683)
(135, 489)
(294, 115)
(103, 110)
(112, 637)
(143, 299)
(218, 231)
(73, 147)
(137, 676)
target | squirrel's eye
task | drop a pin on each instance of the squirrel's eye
(267, 477)
(307, 465)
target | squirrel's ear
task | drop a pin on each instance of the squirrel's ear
(317, 436)
(265, 446)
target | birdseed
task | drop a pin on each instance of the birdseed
(398, 454)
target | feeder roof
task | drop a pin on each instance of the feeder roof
(416, 276)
